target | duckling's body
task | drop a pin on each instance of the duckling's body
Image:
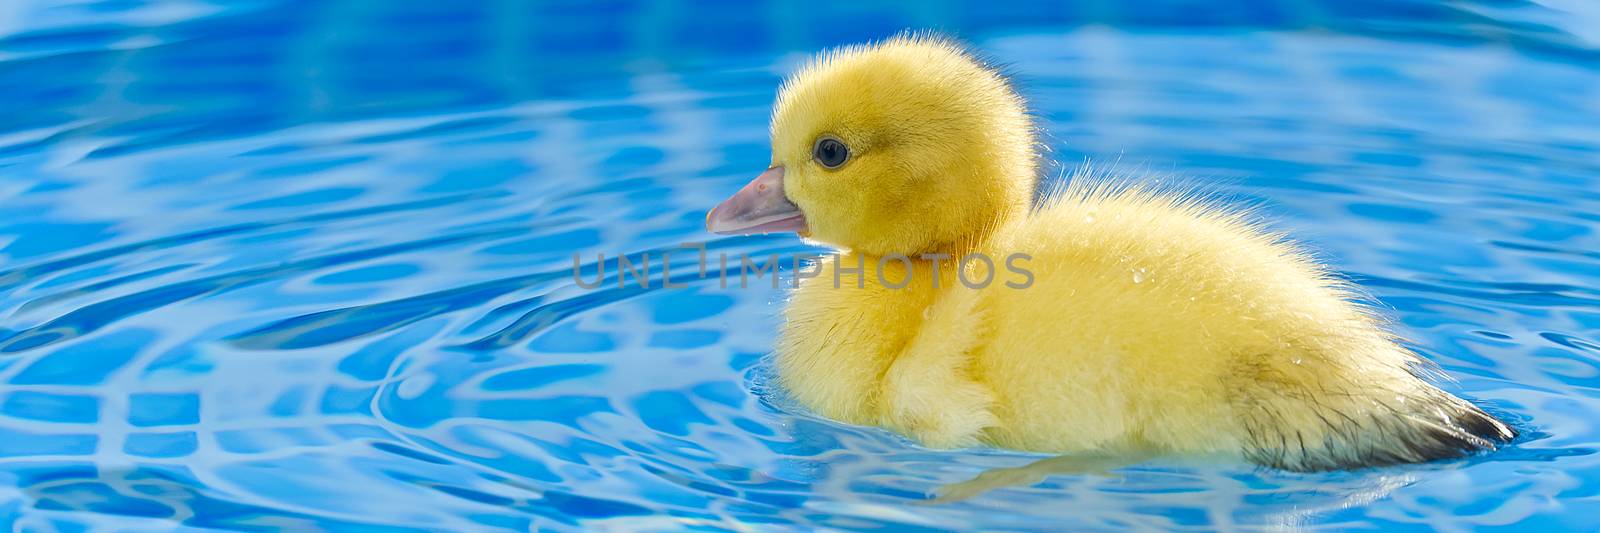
(1116, 319)
(1152, 326)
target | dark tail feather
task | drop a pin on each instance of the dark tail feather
(1465, 429)
(1435, 426)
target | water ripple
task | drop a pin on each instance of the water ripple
(94, 316)
(12, 277)
(249, 249)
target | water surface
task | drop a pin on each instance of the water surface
(296, 263)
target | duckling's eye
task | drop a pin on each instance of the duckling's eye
(830, 152)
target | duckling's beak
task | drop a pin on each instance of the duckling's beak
(760, 207)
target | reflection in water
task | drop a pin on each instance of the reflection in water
(1031, 474)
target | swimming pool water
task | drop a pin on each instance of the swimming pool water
(307, 264)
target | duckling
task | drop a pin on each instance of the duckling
(1132, 320)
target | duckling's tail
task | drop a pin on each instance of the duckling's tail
(1407, 422)
(1447, 427)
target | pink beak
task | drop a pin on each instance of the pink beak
(760, 207)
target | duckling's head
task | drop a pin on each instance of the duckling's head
(906, 146)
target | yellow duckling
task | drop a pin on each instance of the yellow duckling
(1116, 320)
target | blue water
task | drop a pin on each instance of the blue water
(307, 263)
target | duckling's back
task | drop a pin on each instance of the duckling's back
(1156, 322)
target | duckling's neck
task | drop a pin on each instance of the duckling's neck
(977, 238)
